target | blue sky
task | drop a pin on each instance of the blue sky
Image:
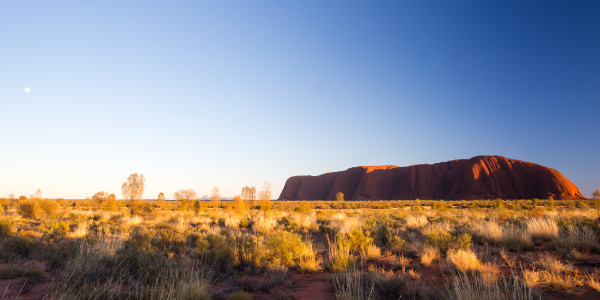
(231, 93)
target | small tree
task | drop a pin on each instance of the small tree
(265, 197)
(499, 203)
(551, 203)
(37, 195)
(11, 196)
(239, 205)
(185, 196)
(111, 202)
(339, 196)
(215, 197)
(199, 206)
(596, 199)
(100, 197)
(249, 194)
(160, 200)
(133, 188)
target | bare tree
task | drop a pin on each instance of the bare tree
(264, 197)
(215, 197)
(133, 188)
(185, 196)
(37, 195)
(249, 193)
(265, 193)
(100, 197)
(160, 200)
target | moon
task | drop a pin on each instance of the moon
(27, 90)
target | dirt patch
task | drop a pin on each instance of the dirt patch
(25, 289)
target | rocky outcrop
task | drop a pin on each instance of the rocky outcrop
(481, 177)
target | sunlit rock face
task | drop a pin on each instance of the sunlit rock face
(481, 177)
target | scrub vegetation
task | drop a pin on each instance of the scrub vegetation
(102, 248)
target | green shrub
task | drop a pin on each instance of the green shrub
(289, 225)
(383, 236)
(551, 204)
(499, 203)
(397, 244)
(140, 238)
(76, 219)
(17, 245)
(246, 250)
(286, 248)
(462, 241)
(216, 249)
(56, 228)
(339, 256)
(303, 208)
(581, 204)
(440, 239)
(32, 272)
(358, 241)
(49, 207)
(246, 223)
(30, 209)
(139, 265)
(168, 239)
(5, 227)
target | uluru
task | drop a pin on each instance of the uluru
(480, 177)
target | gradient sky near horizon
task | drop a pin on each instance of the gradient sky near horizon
(196, 94)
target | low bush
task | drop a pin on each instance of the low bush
(339, 256)
(30, 209)
(580, 238)
(6, 227)
(18, 245)
(32, 271)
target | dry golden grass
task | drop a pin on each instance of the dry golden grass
(509, 260)
(531, 278)
(490, 231)
(551, 264)
(372, 252)
(542, 228)
(389, 235)
(416, 221)
(577, 237)
(580, 255)
(429, 255)
(593, 280)
(555, 274)
(80, 231)
(464, 260)
(475, 286)
(264, 223)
